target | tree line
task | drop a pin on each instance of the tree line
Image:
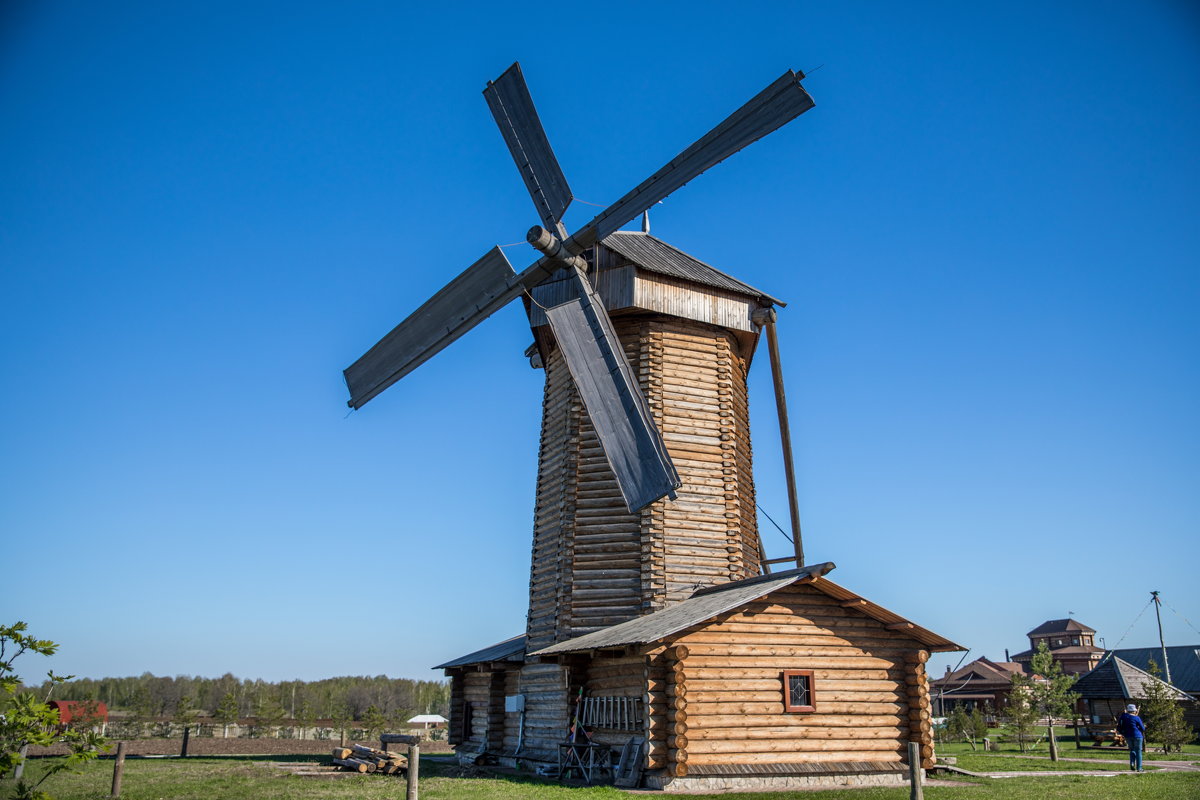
(342, 699)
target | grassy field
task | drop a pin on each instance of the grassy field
(258, 779)
(1067, 749)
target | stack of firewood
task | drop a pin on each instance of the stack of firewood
(360, 758)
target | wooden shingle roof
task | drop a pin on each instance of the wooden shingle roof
(655, 255)
(1068, 625)
(715, 600)
(1117, 679)
(1184, 660)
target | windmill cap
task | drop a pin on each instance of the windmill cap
(1131, 708)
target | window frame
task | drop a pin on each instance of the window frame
(788, 706)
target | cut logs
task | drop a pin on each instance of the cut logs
(360, 758)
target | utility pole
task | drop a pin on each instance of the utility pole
(1161, 643)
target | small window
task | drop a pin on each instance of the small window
(798, 691)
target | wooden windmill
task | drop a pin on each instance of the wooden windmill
(645, 528)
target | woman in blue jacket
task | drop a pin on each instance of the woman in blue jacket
(1130, 726)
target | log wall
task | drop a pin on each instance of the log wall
(868, 697)
(623, 676)
(545, 688)
(476, 695)
(593, 563)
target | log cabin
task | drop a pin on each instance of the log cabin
(662, 632)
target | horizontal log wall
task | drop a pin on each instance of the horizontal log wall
(615, 677)
(512, 719)
(476, 694)
(864, 687)
(554, 509)
(593, 563)
(709, 532)
(546, 709)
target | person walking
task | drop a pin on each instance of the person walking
(1130, 726)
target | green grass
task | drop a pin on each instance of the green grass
(255, 779)
(1066, 749)
(989, 762)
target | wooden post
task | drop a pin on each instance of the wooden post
(118, 770)
(766, 318)
(914, 772)
(183, 750)
(20, 770)
(414, 768)
(1077, 733)
(1052, 740)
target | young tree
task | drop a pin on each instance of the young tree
(306, 717)
(956, 724)
(186, 711)
(341, 720)
(27, 720)
(1021, 712)
(268, 716)
(977, 727)
(1051, 696)
(1163, 715)
(373, 721)
(226, 712)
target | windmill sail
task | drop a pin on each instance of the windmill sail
(773, 107)
(462, 304)
(508, 98)
(613, 399)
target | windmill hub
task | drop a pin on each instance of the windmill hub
(552, 247)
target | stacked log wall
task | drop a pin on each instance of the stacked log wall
(554, 509)
(734, 699)
(512, 719)
(623, 676)
(477, 694)
(710, 529)
(546, 710)
(454, 732)
(595, 564)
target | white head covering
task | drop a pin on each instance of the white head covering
(1131, 708)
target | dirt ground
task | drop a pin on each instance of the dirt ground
(203, 746)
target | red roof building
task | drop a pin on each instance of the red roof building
(91, 712)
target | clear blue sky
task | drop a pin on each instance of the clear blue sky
(986, 231)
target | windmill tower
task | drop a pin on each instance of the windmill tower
(645, 537)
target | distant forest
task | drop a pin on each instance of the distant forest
(341, 699)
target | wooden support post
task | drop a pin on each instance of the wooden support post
(183, 750)
(766, 318)
(414, 768)
(915, 791)
(118, 770)
(1053, 742)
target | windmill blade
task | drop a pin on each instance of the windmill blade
(614, 401)
(462, 304)
(508, 98)
(773, 107)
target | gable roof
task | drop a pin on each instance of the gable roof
(1068, 625)
(716, 600)
(981, 670)
(1184, 661)
(509, 650)
(655, 255)
(1115, 678)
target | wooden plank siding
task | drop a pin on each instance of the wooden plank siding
(869, 697)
